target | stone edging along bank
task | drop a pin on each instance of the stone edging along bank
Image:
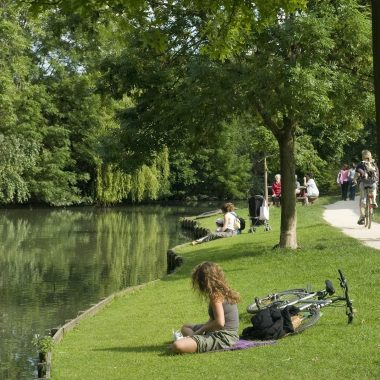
(44, 369)
(194, 227)
(57, 334)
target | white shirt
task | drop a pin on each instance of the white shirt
(230, 221)
(312, 189)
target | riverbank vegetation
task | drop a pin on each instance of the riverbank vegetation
(129, 338)
(100, 106)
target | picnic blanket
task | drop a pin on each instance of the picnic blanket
(243, 344)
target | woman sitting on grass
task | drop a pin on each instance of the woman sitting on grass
(221, 330)
(230, 227)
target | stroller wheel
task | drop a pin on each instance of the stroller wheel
(252, 230)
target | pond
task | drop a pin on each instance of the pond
(57, 262)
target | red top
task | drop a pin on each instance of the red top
(276, 189)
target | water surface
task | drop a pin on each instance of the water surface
(54, 263)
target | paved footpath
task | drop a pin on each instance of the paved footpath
(345, 214)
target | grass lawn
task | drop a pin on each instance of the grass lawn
(128, 339)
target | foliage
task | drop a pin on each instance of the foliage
(146, 183)
(100, 87)
(216, 28)
(218, 169)
(44, 344)
(310, 83)
(31, 114)
(17, 158)
(112, 185)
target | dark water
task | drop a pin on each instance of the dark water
(54, 263)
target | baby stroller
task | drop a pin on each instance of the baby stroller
(254, 205)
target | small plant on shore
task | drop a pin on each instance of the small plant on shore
(44, 344)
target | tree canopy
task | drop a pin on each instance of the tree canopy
(137, 100)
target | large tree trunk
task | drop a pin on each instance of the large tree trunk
(286, 140)
(376, 65)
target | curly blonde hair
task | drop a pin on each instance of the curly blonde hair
(228, 207)
(208, 278)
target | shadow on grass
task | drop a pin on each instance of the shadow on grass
(160, 349)
(218, 254)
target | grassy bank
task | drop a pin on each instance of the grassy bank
(128, 339)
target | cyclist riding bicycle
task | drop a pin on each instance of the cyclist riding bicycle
(368, 176)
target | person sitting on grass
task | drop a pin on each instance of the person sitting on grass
(311, 186)
(276, 190)
(219, 228)
(221, 330)
(231, 225)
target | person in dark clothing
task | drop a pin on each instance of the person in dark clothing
(273, 323)
(352, 182)
(343, 180)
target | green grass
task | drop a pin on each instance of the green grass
(128, 339)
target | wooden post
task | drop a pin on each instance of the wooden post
(266, 179)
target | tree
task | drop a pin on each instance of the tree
(376, 64)
(294, 68)
(20, 107)
(17, 157)
(308, 79)
(306, 71)
(29, 145)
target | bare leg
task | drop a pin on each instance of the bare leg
(362, 200)
(184, 346)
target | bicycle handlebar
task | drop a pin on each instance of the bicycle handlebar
(329, 287)
(344, 286)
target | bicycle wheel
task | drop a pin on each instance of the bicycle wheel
(309, 318)
(280, 299)
(368, 210)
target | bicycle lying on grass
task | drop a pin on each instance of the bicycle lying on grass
(309, 303)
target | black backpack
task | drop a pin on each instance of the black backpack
(242, 223)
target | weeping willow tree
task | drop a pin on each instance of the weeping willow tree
(145, 183)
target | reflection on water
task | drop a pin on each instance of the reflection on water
(54, 263)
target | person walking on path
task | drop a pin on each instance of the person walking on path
(368, 174)
(343, 181)
(352, 182)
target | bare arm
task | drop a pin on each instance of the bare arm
(213, 324)
(225, 222)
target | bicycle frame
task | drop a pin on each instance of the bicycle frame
(326, 302)
(308, 299)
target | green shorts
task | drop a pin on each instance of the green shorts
(215, 340)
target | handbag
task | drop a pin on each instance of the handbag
(264, 212)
